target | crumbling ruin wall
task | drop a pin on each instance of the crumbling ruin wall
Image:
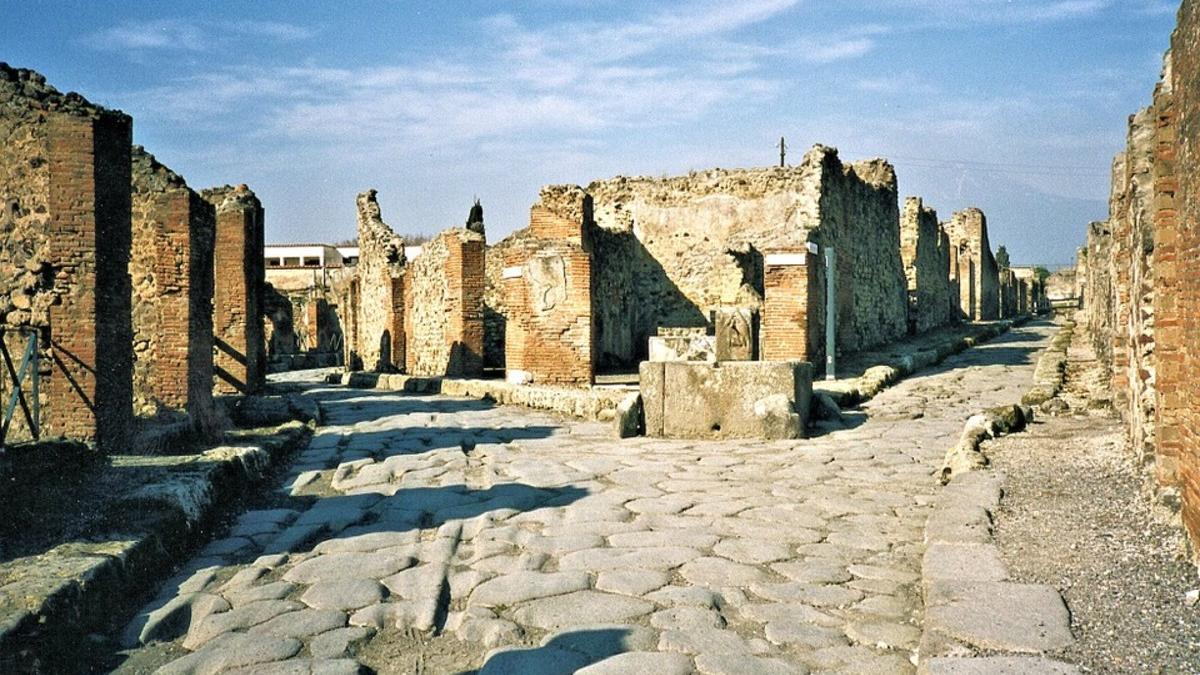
(1143, 286)
(547, 286)
(980, 295)
(443, 294)
(671, 251)
(171, 270)
(240, 359)
(1177, 277)
(379, 294)
(924, 250)
(64, 256)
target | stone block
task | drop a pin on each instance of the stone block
(737, 333)
(738, 399)
(683, 348)
(628, 418)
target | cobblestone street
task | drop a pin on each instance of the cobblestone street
(429, 534)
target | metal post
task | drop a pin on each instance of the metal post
(830, 314)
(34, 384)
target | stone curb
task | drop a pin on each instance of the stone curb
(875, 379)
(976, 618)
(593, 404)
(54, 601)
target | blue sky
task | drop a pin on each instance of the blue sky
(1015, 106)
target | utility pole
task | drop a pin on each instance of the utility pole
(782, 152)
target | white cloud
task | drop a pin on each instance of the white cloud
(189, 35)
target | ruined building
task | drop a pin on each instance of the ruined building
(423, 317)
(64, 256)
(240, 355)
(978, 274)
(1141, 288)
(925, 251)
(171, 270)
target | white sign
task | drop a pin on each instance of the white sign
(780, 259)
(512, 272)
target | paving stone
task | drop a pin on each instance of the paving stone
(696, 539)
(751, 551)
(813, 571)
(489, 632)
(857, 659)
(601, 641)
(231, 651)
(963, 562)
(276, 590)
(344, 594)
(518, 587)
(883, 635)
(999, 616)
(784, 611)
(713, 640)
(580, 608)
(686, 618)
(563, 544)
(683, 596)
(331, 566)
(540, 661)
(302, 623)
(351, 541)
(885, 606)
(601, 559)
(799, 633)
(636, 582)
(173, 618)
(903, 576)
(336, 643)
(238, 618)
(718, 573)
(641, 663)
(736, 664)
(385, 615)
(302, 667)
(996, 665)
(811, 594)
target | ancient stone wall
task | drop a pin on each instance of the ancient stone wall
(1142, 288)
(925, 252)
(1177, 273)
(671, 251)
(238, 288)
(547, 287)
(443, 294)
(979, 276)
(64, 256)
(379, 302)
(171, 270)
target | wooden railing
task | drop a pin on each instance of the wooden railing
(16, 375)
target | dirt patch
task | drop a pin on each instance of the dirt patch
(1074, 517)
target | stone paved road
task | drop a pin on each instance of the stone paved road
(427, 534)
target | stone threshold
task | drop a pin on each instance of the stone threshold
(977, 620)
(54, 605)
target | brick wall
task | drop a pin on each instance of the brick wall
(172, 275)
(547, 286)
(65, 216)
(793, 312)
(239, 284)
(924, 250)
(379, 331)
(1178, 236)
(444, 294)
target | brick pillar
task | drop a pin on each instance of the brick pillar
(89, 396)
(240, 354)
(550, 336)
(466, 278)
(1170, 337)
(793, 313)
